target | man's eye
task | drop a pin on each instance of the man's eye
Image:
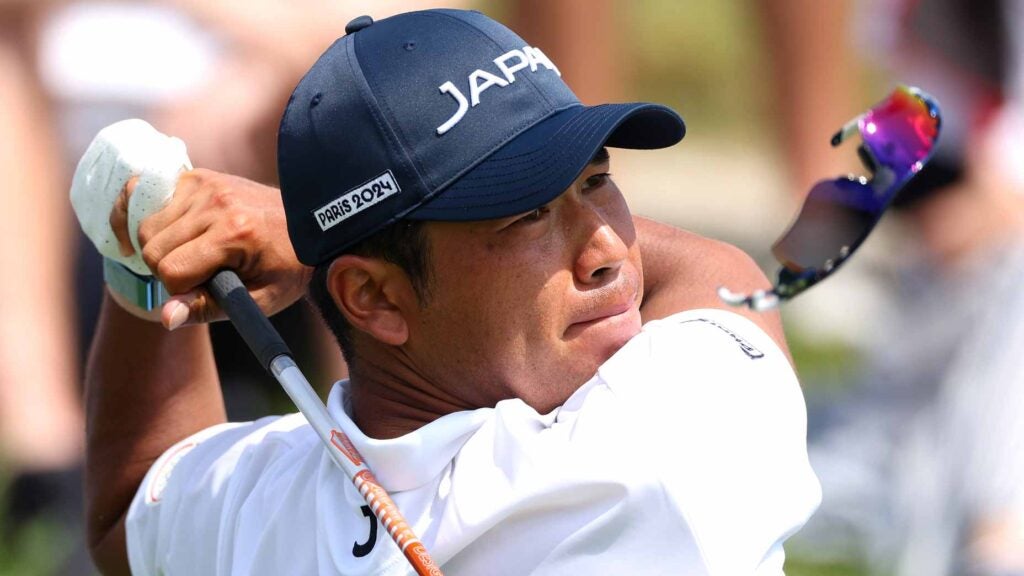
(532, 216)
(596, 180)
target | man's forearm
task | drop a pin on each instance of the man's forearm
(682, 271)
(145, 389)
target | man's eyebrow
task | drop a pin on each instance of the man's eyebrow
(600, 156)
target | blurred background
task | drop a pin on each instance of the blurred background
(910, 357)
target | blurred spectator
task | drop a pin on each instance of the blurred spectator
(41, 420)
(922, 465)
(40, 416)
(593, 69)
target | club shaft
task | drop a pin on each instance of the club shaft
(270, 349)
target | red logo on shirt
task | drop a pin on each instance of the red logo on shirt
(345, 446)
(159, 480)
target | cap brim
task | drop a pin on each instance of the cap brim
(540, 163)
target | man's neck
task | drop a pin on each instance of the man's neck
(389, 399)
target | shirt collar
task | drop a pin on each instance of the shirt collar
(412, 460)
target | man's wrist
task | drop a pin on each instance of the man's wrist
(145, 293)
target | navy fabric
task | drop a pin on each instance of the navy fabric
(406, 80)
(543, 161)
(373, 104)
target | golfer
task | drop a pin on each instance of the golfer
(544, 383)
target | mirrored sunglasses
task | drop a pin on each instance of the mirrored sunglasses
(898, 137)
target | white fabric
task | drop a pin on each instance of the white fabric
(685, 454)
(120, 151)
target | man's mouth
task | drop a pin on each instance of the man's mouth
(604, 313)
(620, 314)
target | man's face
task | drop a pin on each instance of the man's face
(529, 306)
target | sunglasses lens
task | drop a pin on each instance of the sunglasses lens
(834, 219)
(901, 131)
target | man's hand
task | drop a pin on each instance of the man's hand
(216, 221)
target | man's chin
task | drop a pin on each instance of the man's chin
(604, 337)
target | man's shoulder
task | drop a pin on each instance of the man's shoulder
(224, 447)
(704, 403)
(252, 470)
(697, 356)
(701, 337)
(715, 329)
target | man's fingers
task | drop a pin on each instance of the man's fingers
(175, 311)
(119, 218)
(189, 215)
(191, 264)
(180, 204)
(198, 307)
(193, 307)
(166, 240)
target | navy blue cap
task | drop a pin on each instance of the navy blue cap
(438, 115)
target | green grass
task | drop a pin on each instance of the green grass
(34, 549)
(797, 567)
(824, 366)
(40, 546)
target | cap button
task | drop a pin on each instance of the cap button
(357, 24)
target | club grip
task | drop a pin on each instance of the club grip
(249, 320)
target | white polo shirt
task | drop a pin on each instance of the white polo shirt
(684, 454)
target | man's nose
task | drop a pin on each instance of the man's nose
(602, 251)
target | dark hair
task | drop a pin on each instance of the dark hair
(404, 244)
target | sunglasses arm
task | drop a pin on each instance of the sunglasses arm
(759, 300)
(849, 129)
(789, 285)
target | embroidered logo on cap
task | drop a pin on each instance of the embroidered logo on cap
(356, 200)
(479, 80)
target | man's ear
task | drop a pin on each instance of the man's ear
(372, 295)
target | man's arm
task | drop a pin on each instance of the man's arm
(682, 271)
(145, 389)
(148, 388)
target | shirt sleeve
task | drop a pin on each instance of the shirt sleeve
(181, 513)
(716, 405)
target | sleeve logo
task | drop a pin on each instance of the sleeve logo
(158, 482)
(356, 200)
(745, 346)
